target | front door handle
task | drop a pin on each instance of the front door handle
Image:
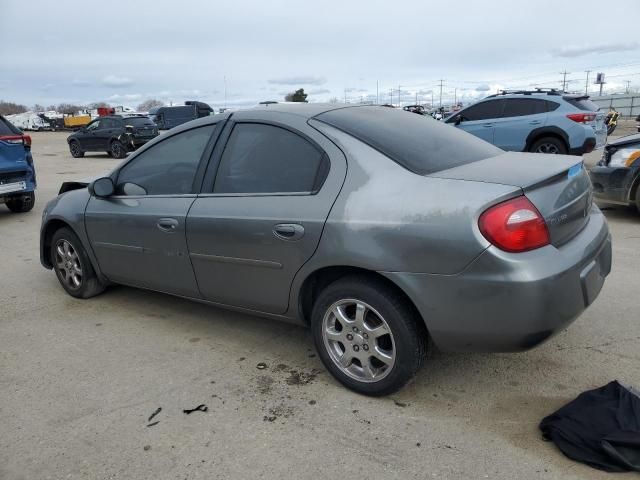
(167, 225)
(288, 231)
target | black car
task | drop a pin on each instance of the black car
(616, 178)
(113, 134)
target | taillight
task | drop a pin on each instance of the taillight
(582, 117)
(24, 139)
(514, 226)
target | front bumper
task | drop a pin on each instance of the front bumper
(506, 302)
(613, 184)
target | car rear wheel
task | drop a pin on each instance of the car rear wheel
(549, 145)
(118, 150)
(368, 335)
(22, 203)
(72, 265)
(76, 150)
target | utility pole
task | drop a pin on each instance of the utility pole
(564, 80)
(455, 96)
(377, 93)
(628, 82)
(399, 101)
(441, 84)
(416, 97)
(345, 95)
(431, 98)
(586, 84)
(391, 96)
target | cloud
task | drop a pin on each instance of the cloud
(483, 88)
(578, 51)
(127, 97)
(114, 81)
(46, 87)
(318, 91)
(80, 83)
(301, 80)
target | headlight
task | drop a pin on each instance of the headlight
(624, 157)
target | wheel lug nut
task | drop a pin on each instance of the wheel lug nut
(365, 335)
(365, 347)
(356, 348)
(349, 337)
(355, 329)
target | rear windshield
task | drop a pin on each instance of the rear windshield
(583, 103)
(6, 128)
(418, 143)
(138, 121)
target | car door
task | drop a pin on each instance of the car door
(138, 234)
(479, 119)
(520, 116)
(266, 197)
(87, 138)
(103, 133)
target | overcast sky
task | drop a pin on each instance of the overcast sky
(124, 52)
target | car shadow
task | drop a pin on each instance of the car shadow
(621, 212)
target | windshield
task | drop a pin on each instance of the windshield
(583, 103)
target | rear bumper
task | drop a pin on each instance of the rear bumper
(613, 184)
(507, 302)
(587, 147)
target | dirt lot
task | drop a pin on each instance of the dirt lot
(79, 380)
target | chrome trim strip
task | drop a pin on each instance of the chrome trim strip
(117, 246)
(240, 261)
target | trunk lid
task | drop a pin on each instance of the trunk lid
(558, 185)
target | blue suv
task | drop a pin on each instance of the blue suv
(543, 121)
(17, 173)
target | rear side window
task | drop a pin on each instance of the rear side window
(260, 158)
(138, 121)
(483, 110)
(414, 141)
(551, 106)
(582, 103)
(520, 107)
(6, 128)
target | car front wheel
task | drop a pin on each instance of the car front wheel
(368, 335)
(72, 265)
(118, 150)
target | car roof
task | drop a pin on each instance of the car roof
(307, 110)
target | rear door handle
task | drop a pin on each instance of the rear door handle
(487, 125)
(535, 122)
(167, 225)
(288, 231)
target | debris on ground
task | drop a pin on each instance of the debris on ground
(158, 410)
(200, 408)
(261, 366)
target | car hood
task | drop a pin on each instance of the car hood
(75, 185)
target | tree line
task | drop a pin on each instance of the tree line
(11, 108)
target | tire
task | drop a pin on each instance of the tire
(23, 203)
(549, 145)
(72, 265)
(117, 149)
(76, 150)
(401, 339)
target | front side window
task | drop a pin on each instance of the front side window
(94, 125)
(166, 168)
(261, 158)
(483, 111)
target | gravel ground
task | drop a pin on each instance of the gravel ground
(79, 380)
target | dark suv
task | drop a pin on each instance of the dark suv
(114, 134)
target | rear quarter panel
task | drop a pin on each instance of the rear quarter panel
(387, 218)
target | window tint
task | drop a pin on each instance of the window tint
(262, 158)
(138, 121)
(94, 125)
(107, 123)
(414, 141)
(483, 110)
(7, 128)
(519, 107)
(551, 106)
(168, 167)
(583, 103)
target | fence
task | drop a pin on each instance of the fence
(627, 105)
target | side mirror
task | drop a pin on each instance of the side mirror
(102, 187)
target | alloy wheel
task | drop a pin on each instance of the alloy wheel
(75, 149)
(358, 340)
(115, 150)
(68, 264)
(547, 148)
